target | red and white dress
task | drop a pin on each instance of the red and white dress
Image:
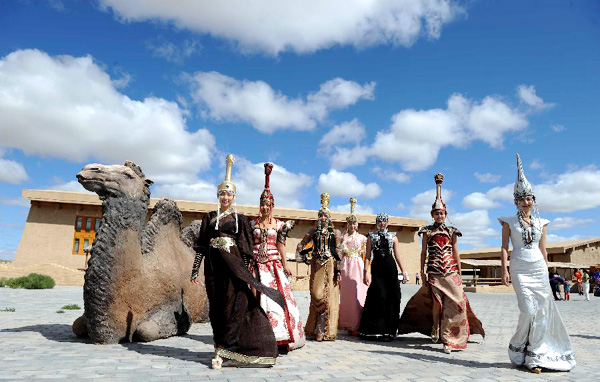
(268, 268)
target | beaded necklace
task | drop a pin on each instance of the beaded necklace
(528, 234)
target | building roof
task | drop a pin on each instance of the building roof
(551, 248)
(497, 263)
(88, 198)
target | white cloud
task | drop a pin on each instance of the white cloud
(421, 203)
(399, 177)
(536, 165)
(567, 222)
(287, 187)
(67, 107)
(10, 171)
(20, 202)
(551, 238)
(478, 201)
(338, 183)
(475, 227)
(72, 186)
(346, 132)
(348, 157)
(527, 95)
(160, 47)
(197, 190)
(487, 177)
(224, 98)
(358, 208)
(557, 128)
(273, 27)
(574, 190)
(415, 137)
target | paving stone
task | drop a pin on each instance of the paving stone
(38, 344)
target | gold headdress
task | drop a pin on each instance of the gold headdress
(352, 218)
(324, 203)
(227, 184)
(439, 203)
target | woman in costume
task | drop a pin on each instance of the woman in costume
(242, 332)
(352, 289)
(270, 267)
(379, 320)
(441, 308)
(541, 340)
(322, 321)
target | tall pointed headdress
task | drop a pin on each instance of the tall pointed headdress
(439, 203)
(522, 185)
(352, 218)
(324, 203)
(266, 195)
(227, 184)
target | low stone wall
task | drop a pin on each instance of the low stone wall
(61, 274)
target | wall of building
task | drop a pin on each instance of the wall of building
(48, 235)
(49, 231)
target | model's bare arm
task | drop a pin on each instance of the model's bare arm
(504, 252)
(424, 256)
(543, 245)
(367, 271)
(398, 258)
(281, 250)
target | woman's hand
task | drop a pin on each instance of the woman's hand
(505, 277)
(367, 279)
(196, 281)
(287, 271)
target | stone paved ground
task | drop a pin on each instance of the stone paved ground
(36, 343)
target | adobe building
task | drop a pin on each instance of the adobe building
(61, 225)
(565, 256)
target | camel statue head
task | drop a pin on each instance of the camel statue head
(120, 181)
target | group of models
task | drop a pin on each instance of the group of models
(354, 282)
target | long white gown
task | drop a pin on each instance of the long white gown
(541, 339)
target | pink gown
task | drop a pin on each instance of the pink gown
(352, 289)
(267, 267)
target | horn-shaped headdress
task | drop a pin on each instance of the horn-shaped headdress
(267, 196)
(522, 185)
(352, 218)
(227, 184)
(439, 203)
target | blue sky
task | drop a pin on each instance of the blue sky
(364, 99)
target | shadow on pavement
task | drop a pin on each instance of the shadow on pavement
(203, 357)
(453, 361)
(52, 332)
(205, 339)
(586, 336)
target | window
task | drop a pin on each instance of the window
(85, 232)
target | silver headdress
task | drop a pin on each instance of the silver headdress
(522, 186)
(382, 217)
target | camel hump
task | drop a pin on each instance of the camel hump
(165, 216)
(190, 234)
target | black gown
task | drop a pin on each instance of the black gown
(379, 320)
(241, 329)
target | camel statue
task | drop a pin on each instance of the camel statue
(137, 284)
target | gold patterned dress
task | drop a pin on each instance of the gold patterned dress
(322, 321)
